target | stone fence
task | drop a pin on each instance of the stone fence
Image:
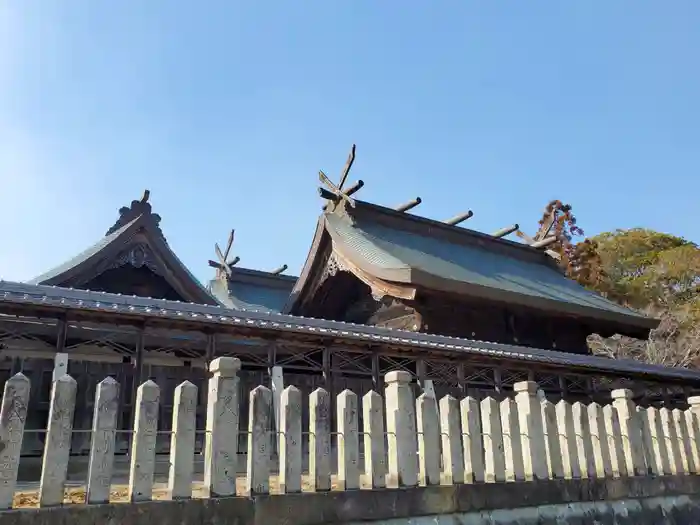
(407, 442)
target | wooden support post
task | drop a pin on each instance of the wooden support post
(498, 380)
(271, 358)
(137, 375)
(461, 380)
(61, 334)
(211, 349)
(562, 386)
(376, 374)
(421, 373)
(327, 376)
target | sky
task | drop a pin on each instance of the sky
(226, 111)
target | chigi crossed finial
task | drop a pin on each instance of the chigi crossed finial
(224, 264)
(336, 193)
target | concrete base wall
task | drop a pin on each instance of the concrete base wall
(637, 501)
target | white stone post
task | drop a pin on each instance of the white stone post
(401, 429)
(143, 445)
(671, 440)
(104, 426)
(290, 442)
(512, 443)
(531, 431)
(348, 441)
(182, 441)
(612, 430)
(494, 459)
(630, 429)
(221, 438)
(320, 440)
(683, 439)
(13, 415)
(602, 466)
(277, 383)
(451, 433)
(472, 440)
(428, 439)
(54, 466)
(60, 365)
(693, 439)
(258, 471)
(552, 448)
(373, 437)
(662, 462)
(584, 446)
(647, 440)
(567, 440)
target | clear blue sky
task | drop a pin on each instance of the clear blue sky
(227, 110)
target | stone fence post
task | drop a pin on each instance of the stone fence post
(13, 415)
(54, 467)
(401, 429)
(630, 429)
(531, 431)
(221, 440)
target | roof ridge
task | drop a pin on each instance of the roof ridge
(451, 233)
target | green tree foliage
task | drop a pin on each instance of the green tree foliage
(647, 269)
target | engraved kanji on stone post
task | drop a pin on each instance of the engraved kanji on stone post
(221, 440)
(13, 416)
(54, 467)
(104, 426)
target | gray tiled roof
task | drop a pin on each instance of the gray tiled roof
(12, 292)
(82, 256)
(250, 296)
(253, 290)
(403, 252)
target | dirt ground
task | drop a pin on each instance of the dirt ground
(119, 493)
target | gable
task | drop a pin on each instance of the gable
(133, 256)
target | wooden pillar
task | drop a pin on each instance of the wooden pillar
(421, 372)
(328, 386)
(271, 358)
(562, 386)
(376, 374)
(461, 380)
(210, 353)
(327, 373)
(61, 334)
(137, 373)
(498, 380)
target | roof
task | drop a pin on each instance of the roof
(85, 300)
(401, 248)
(247, 289)
(136, 225)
